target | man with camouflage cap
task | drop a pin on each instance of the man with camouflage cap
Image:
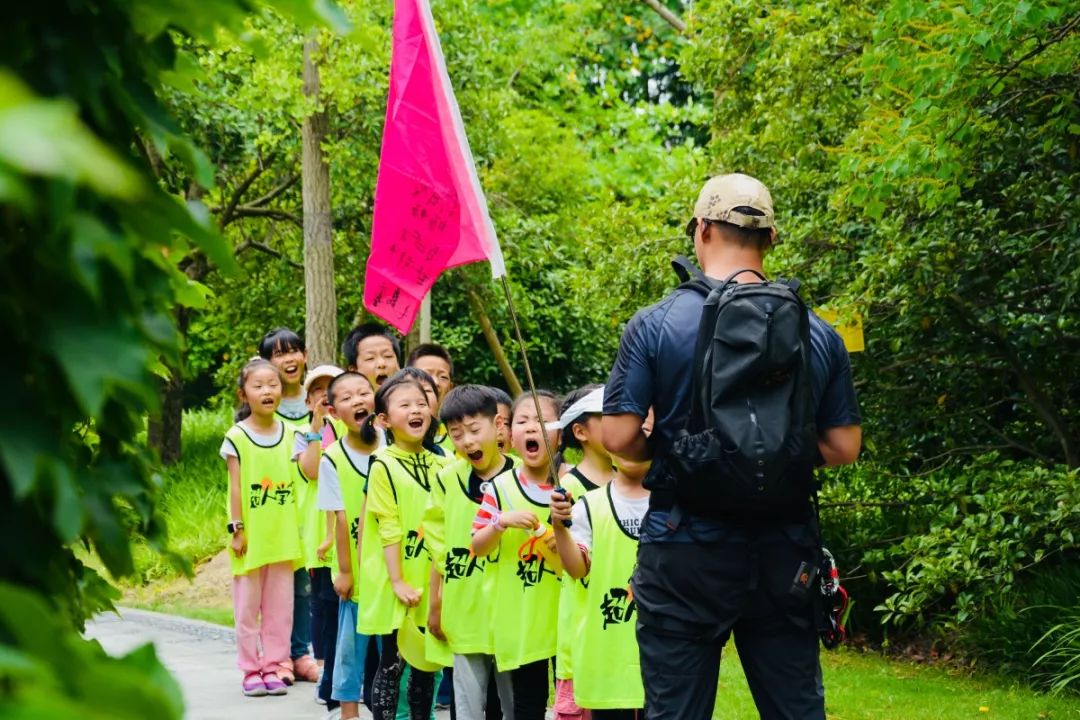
(703, 577)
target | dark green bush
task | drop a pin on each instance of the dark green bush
(938, 551)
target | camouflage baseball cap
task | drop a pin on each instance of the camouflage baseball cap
(737, 199)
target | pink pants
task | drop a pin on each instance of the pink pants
(565, 707)
(263, 608)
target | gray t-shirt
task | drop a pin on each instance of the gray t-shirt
(294, 408)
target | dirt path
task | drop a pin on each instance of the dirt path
(210, 589)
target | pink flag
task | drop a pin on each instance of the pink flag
(430, 213)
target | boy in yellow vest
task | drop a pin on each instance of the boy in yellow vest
(462, 584)
(343, 472)
(602, 544)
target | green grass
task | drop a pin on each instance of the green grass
(192, 499)
(218, 616)
(865, 686)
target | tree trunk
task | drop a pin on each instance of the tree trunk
(492, 338)
(421, 330)
(321, 301)
(163, 429)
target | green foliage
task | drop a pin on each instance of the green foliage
(90, 285)
(51, 672)
(1006, 634)
(1060, 664)
(994, 519)
(191, 499)
(964, 552)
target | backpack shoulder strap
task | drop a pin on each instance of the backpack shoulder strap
(793, 283)
(686, 270)
(690, 276)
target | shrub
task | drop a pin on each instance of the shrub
(192, 499)
(936, 552)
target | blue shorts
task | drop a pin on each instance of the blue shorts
(352, 650)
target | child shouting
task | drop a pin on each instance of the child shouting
(513, 520)
(343, 477)
(460, 600)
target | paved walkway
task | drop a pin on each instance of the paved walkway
(202, 657)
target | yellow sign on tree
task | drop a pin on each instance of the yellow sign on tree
(849, 325)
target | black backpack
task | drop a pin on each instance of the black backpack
(748, 449)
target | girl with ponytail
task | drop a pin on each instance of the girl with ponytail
(394, 564)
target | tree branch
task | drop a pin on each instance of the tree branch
(285, 185)
(1035, 396)
(264, 248)
(229, 213)
(1053, 40)
(272, 213)
(669, 17)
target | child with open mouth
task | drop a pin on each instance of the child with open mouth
(264, 528)
(343, 476)
(460, 600)
(514, 520)
(394, 562)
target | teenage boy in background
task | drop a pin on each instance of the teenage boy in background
(435, 360)
(372, 350)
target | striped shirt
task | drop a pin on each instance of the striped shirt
(489, 506)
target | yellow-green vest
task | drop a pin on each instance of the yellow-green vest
(607, 670)
(353, 485)
(380, 611)
(268, 482)
(526, 608)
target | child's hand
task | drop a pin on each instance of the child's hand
(551, 543)
(524, 519)
(322, 550)
(434, 622)
(318, 417)
(406, 593)
(560, 507)
(343, 585)
(239, 544)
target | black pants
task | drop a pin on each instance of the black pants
(530, 683)
(617, 714)
(692, 596)
(324, 622)
(384, 690)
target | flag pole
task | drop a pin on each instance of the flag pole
(553, 472)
